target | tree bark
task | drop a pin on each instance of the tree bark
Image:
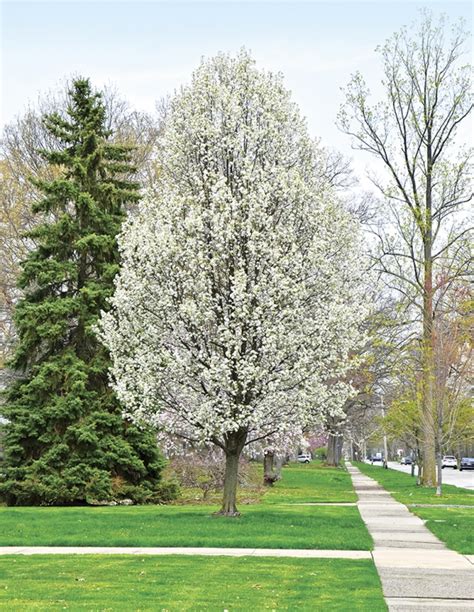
(270, 471)
(419, 463)
(331, 458)
(385, 449)
(229, 502)
(439, 464)
(429, 438)
(335, 442)
(278, 465)
(339, 445)
(233, 448)
(428, 395)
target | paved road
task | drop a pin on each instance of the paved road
(463, 479)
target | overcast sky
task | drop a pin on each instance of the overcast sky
(147, 49)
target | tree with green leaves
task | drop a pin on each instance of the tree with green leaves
(404, 423)
(66, 440)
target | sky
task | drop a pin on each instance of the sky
(148, 49)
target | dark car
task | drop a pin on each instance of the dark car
(467, 463)
(405, 461)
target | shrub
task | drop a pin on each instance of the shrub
(204, 470)
(321, 453)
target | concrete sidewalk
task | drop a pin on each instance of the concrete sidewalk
(183, 550)
(417, 571)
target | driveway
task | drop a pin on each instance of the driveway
(463, 479)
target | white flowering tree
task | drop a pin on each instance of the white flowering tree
(237, 304)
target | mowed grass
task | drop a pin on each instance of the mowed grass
(277, 522)
(180, 583)
(453, 526)
(260, 526)
(312, 482)
(404, 489)
(174, 583)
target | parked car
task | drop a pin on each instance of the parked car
(467, 463)
(377, 457)
(449, 461)
(406, 461)
(304, 458)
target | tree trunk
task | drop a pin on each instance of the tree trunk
(385, 451)
(339, 445)
(269, 475)
(419, 463)
(439, 445)
(234, 445)
(335, 443)
(278, 465)
(229, 502)
(428, 392)
(332, 450)
(429, 441)
(439, 463)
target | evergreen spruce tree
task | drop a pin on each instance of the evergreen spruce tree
(66, 441)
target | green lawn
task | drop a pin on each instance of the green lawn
(273, 523)
(404, 489)
(269, 526)
(454, 526)
(110, 583)
(312, 482)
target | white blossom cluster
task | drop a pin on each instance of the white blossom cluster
(238, 303)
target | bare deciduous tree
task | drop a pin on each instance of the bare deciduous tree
(414, 132)
(453, 358)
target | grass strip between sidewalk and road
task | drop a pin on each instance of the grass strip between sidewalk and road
(453, 526)
(187, 583)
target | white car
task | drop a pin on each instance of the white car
(449, 461)
(304, 458)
